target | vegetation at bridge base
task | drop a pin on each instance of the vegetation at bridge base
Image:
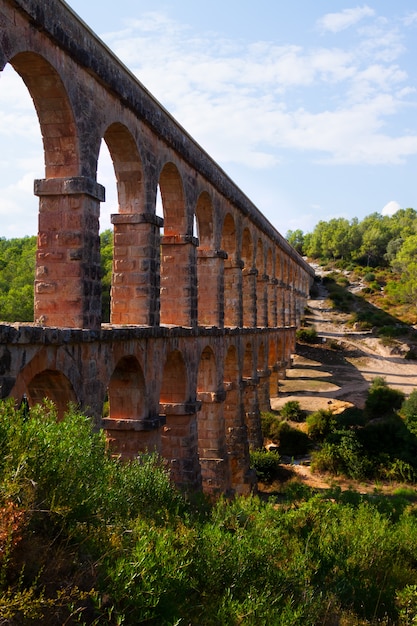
(86, 539)
(376, 443)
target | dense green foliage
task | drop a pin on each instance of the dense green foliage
(17, 273)
(86, 539)
(17, 270)
(377, 443)
(378, 240)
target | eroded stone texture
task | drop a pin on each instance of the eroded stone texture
(204, 300)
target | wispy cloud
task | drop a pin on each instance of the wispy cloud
(251, 103)
(336, 22)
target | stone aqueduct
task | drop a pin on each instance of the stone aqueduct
(202, 324)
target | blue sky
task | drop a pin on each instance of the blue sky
(310, 107)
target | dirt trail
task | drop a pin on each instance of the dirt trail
(338, 370)
(336, 373)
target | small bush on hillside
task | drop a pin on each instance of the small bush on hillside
(369, 277)
(307, 335)
(292, 410)
(343, 455)
(409, 412)
(320, 424)
(266, 463)
(270, 424)
(382, 400)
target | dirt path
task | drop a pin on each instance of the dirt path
(337, 372)
(339, 369)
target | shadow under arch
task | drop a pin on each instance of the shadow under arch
(53, 385)
(127, 390)
(205, 225)
(174, 379)
(173, 200)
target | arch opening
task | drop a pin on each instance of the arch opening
(53, 385)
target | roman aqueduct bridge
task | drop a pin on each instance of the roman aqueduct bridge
(202, 323)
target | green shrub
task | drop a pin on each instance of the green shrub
(270, 424)
(369, 277)
(307, 335)
(320, 424)
(266, 464)
(381, 399)
(409, 412)
(292, 410)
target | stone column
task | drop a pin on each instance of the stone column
(264, 390)
(274, 381)
(212, 443)
(249, 277)
(210, 275)
(179, 280)
(252, 412)
(272, 291)
(280, 305)
(233, 315)
(180, 443)
(68, 273)
(287, 305)
(262, 300)
(135, 279)
(243, 479)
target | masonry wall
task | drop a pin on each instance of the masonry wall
(204, 301)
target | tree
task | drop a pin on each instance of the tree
(296, 239)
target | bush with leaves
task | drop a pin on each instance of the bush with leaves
(409, 412)
(320, 424)
(382, 400)
(292, 410)
(307, 335)
(266, 463)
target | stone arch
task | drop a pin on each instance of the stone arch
(205, 221)
(174, 379)
(270, 264)
(232, 274)
(249, 280)
(228, 242)
(261, 362)
(210, 426)
(127, 390)
(261, 286)
(54, 112)
(260, 260)
(210, 266)
(53, 385)
(127, 165)
(173, 200)
(247, 249)
(231, 366)
(207, 372)
(247, 365)
(178, 276)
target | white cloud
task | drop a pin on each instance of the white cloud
(250, 104)
(336, 22)
(391, 207)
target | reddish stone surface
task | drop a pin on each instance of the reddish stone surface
(204, 301)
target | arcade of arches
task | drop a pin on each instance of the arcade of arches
(202, 324)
